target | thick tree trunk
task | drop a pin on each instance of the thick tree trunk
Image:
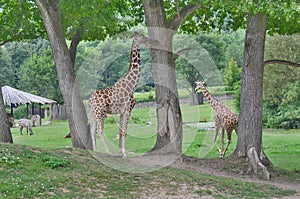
(169, 136)
(250, 118)
(5, 134)
(196, 99)
(75, 109)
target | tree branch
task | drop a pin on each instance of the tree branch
(278, 61)
(178, 53)
(14, 38)
(182, 15)
(73, 46)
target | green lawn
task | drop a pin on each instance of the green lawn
(281, 146)
(28, 172)
(48, 167)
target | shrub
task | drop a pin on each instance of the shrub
(232, 75)
(54, 162)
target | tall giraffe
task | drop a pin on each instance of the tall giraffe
(118, 99)
(224, 118)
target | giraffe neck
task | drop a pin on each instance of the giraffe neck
(134, 57)
(133, 74)
(211, 100)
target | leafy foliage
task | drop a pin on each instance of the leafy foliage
(6, 70)
(232, 76)
(55, 162)
(281, 83)
(20, 20)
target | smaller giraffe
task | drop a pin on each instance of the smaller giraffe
(224, 118)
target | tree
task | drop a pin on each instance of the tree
(232, 75)
(215, 45)
(162, 28)
(81, 24)
(281, 82)
(81, 21)
(5, 134)
(19, 20)
(250, 118)
(38, 76)
(261, 17)
(75, 110)
(6, 71)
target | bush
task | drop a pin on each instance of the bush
(284, 112)
(19, 112)
(54, 162)
(232, 75)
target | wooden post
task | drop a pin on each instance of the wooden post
(27, 110)
(32, 109)
(11, 110)
(40, 113)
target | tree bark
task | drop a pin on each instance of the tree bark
(169, 118)
(250, 117)
(169, 121)
(73, 46)
(196, 99)
(75, 109)
(5, 134)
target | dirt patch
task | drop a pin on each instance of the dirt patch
(230, 169)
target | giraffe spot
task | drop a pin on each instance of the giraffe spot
(128, 89)
(135, 60)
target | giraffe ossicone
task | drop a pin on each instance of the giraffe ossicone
(118, 99)
(224, 118)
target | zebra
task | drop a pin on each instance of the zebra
(25, 123)
(34, 118)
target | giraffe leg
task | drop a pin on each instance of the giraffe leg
(222, 138)
(228, 142)
(100, 125)
(124, 118)
(217, 128)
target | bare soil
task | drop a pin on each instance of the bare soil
(234, 169)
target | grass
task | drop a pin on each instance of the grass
(72, 173)
(281, 146)
(48, 167)
(183, 93)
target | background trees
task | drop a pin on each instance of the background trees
(261, 17)
(281, 83)
(85, 21)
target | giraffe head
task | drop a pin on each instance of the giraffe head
(141, 39)
(199, 85)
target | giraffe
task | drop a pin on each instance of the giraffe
(118, 99)
(224, 118)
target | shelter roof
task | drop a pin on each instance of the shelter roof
(17, 97)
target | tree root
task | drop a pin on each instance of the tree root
(254, 162)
